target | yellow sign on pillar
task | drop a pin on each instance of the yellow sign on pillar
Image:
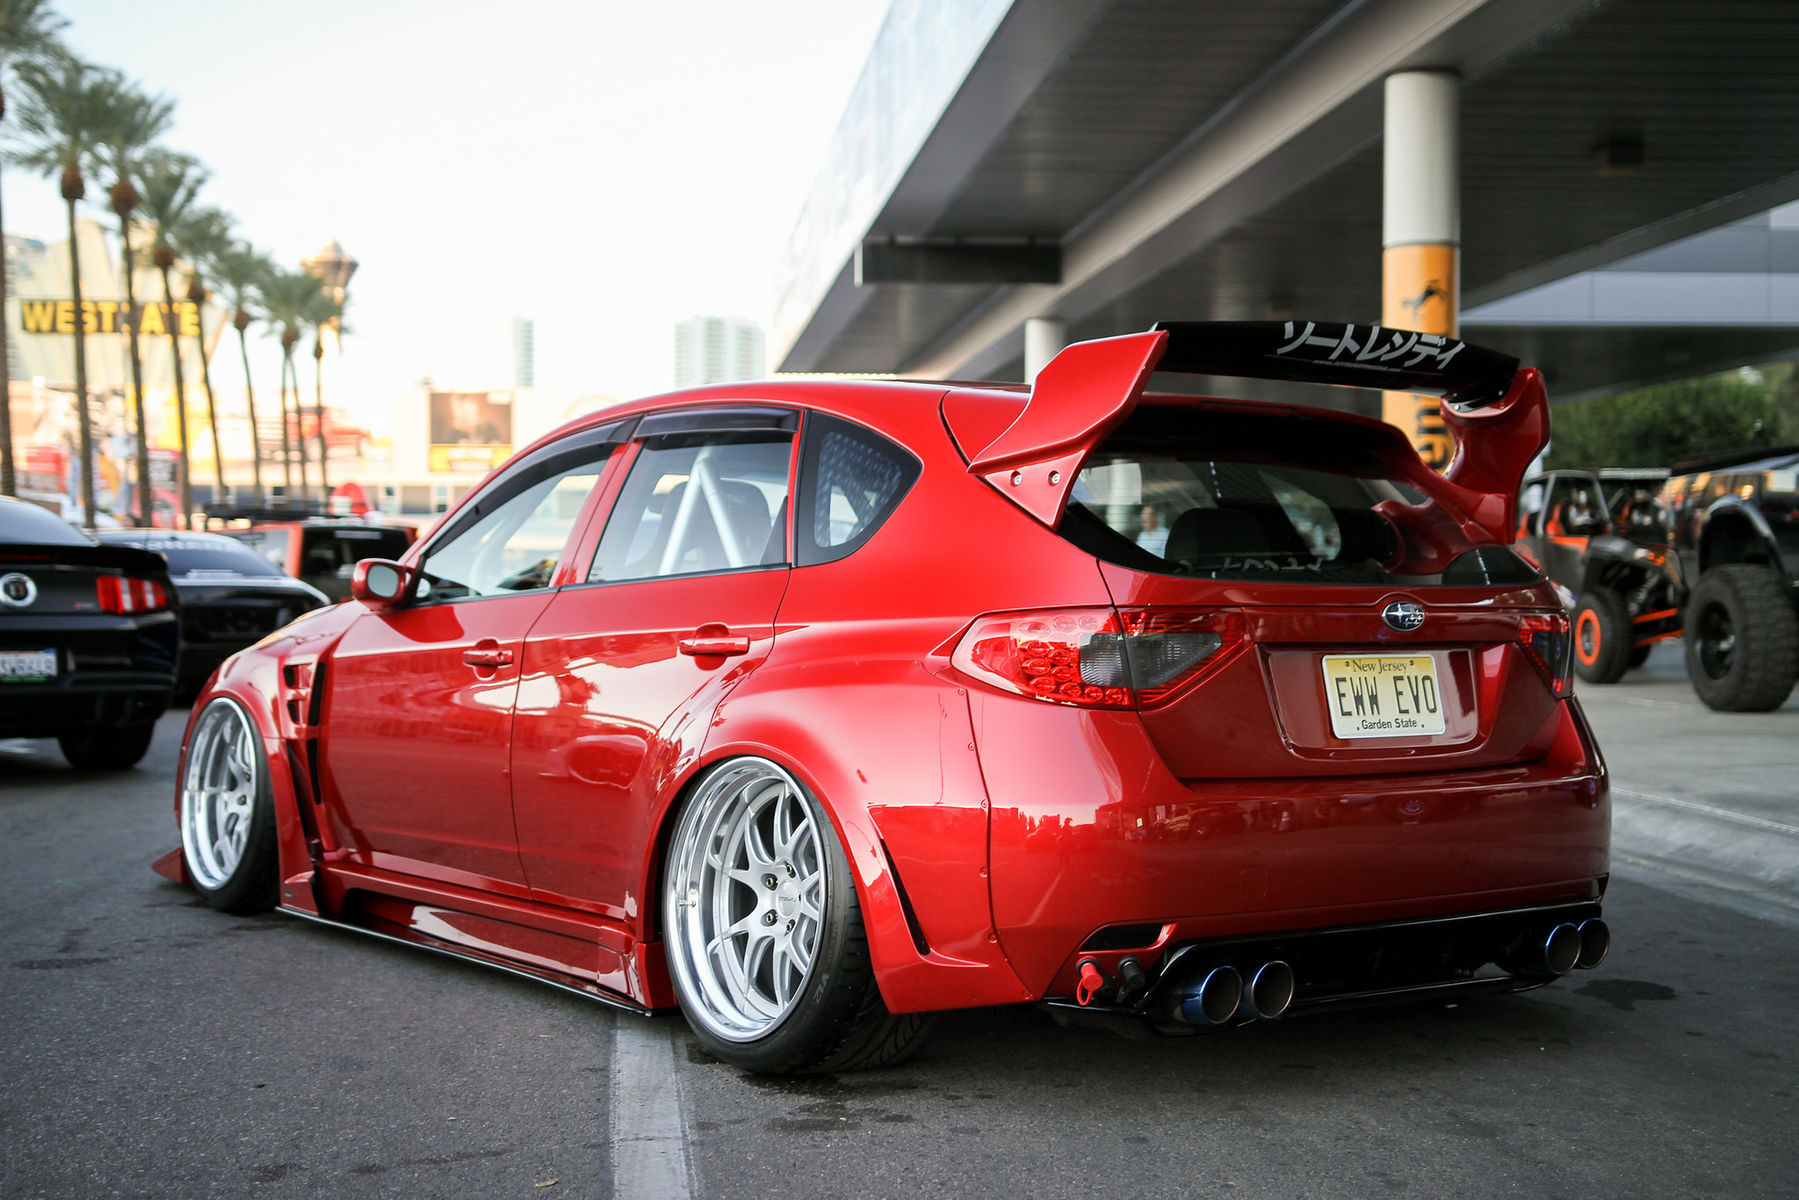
(1419, 292)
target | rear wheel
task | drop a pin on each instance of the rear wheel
(1601, 637)
(1742, 639)
(227, 812)
(764, 932)
(107, 749)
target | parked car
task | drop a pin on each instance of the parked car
(815, 707)
(1604, 535)
(1735, 521)
(322, 551)
(88, 639)
(229, 595)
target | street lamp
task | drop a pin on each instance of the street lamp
(333, 267)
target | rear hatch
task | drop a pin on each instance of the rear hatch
(1300, 546)
(77, 608)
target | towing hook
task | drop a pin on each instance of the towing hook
(1092, 982)
(1132, 982)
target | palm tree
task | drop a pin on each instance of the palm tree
(168, 184)
(137, 120)
(241, 271)
(324, 311)
(201, 238)
(71, 101)
(27, 34)
(286, 299)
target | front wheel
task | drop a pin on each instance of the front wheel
(227, 812)
(1602, 637)
(1742, 639)
(764, 932)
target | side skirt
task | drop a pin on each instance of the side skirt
(556, 979)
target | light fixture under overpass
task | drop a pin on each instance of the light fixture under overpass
(958, 260)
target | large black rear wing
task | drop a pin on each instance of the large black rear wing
(1364, 356)
(1497, 413)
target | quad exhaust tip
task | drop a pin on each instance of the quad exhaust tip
(1213, 998)
(1268, 993)
(1561, 949)
(1595, 941)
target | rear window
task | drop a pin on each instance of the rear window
(199, 556)
(325, 550)
(22, 522)
(1231, 497)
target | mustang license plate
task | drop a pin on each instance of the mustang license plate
(27, 666)
(1383, 695)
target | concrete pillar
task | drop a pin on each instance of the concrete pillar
(1044, 338)
(1421, 234)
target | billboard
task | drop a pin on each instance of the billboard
(470, 431)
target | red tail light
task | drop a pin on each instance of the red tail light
(1099, 657)
(1549, 645)
(123, 594)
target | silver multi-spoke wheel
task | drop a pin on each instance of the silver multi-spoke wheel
(219, 792)
(746, 898)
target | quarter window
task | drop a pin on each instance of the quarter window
(852, 481)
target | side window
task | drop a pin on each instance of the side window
(514, 547)
(1575, 508)
(270, 543)
(698, 503)
(851, 480)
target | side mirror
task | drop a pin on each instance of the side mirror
(379, 583)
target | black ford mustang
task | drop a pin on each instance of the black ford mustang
(89, 637)
(230, 596)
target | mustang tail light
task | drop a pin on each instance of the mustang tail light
(1100, 657)
(1549, 645)
(123, 594)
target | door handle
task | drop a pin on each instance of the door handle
(487, 653)
(704, 643)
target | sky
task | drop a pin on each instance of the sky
(603, 167)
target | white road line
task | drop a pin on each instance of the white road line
(1710, 810)
(649, 1136)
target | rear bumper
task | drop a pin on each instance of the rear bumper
(1097, 848)
(85, 701)
(1427, 958)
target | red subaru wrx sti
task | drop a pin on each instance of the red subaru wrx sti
(815, 707)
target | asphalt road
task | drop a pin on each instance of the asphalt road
(150, 1047)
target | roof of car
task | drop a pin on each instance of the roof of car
(23, 521)
(157, 539)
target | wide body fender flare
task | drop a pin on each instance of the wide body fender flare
(902, 788)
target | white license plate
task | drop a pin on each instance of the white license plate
(27, 666)
(1383, 695)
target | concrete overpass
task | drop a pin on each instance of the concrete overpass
(1110, 163)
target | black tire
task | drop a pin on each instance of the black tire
(834, 1020)
(112, 749)
(1639, 655)
(1602, 637)
(1742, 639)
(227, 812)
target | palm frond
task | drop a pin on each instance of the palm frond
(28, 30)
(241, 272)
(68, 101)
(168, 183)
